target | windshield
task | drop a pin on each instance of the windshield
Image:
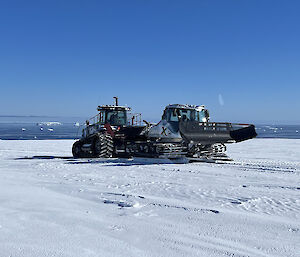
(192, 115)
(173, 114)
(116, 118)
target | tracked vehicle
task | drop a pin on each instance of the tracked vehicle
(185, 131)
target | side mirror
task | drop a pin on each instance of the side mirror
(163, 117)
(206, 113)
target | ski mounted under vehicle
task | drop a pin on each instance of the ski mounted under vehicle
(184, 131)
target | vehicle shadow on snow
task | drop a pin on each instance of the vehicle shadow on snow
(126, 162)
(44, 157)
(107, 161)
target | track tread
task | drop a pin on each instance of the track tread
(103, 146)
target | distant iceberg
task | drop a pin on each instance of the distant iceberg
(49, 123)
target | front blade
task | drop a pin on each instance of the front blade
(215, 132)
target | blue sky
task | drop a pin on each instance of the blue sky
(239, 58)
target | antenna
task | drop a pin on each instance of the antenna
(116, 99)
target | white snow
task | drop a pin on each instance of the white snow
(149, 207)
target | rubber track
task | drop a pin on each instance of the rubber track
(106, 146)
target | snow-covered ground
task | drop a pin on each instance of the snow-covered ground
(143, 207)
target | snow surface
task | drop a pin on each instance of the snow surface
(149, 207)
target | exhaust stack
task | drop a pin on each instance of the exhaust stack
(116, 100)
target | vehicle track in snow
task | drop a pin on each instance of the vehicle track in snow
(263, 166)
(180, 182)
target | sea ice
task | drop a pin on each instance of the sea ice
(55, 205)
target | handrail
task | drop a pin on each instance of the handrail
(94, 120)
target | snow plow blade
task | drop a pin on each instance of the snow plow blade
(243, 134)
(215, 132)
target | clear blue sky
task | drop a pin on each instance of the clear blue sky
(66, 57)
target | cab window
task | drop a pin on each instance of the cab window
(203, 116)
(170, 115)
(116, 118)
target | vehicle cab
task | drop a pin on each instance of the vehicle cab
(114, 115)
(168, 127)
(177, 112)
